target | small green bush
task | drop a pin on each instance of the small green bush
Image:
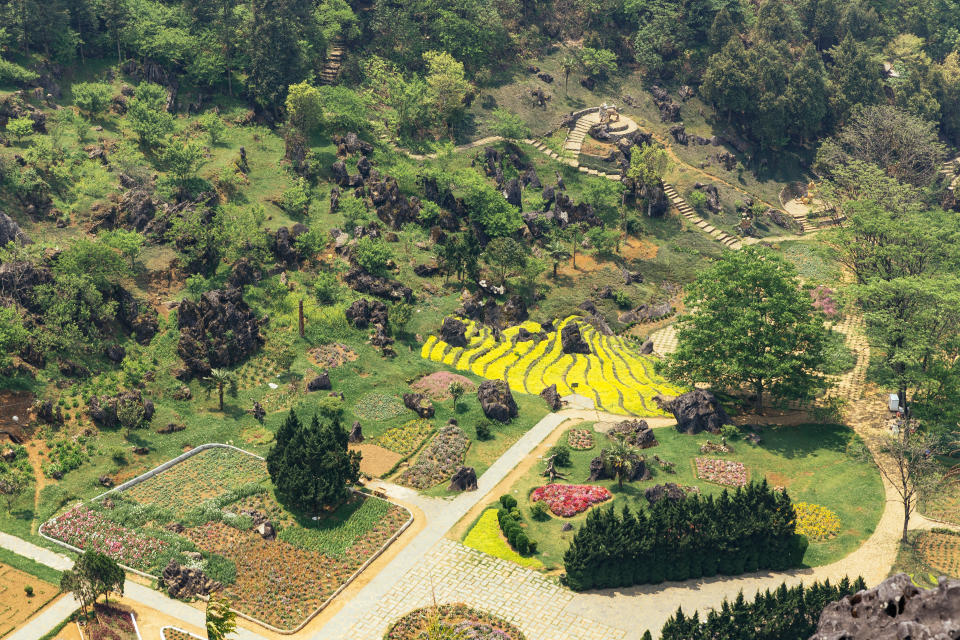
(483, 431)
(622, 299)
(698, 200)
(561, 455)
(730, 432)
(539, 512)
(221, 569)
(28, 590)
(508, 501)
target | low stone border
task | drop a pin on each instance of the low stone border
(214, 445)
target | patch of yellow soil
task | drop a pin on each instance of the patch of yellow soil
(15, 606)
(638, 249)
(376, 460)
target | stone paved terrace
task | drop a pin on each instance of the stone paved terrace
(452, 572)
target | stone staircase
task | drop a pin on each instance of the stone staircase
(331, 68)
(687, 212)
(575, 139)
(951, 171)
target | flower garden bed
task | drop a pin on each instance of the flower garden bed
(613, 374)
(940, 551)
(406, 438)
(207, 475)
(172, 633)
(729, 473)
(580, 439)
(567, 500)
(110, 623)
(331, 356)
(280, 582)
(486, 536)
(459, 620)
(439, 460)
(816, 522)
(379, 406)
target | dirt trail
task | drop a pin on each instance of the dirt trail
(40, 480)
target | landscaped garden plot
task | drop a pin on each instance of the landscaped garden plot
(567, 500)
(406, 438)
(729, 473)
(439, 460)
(940, 551)
(945, 505)
(172, 633)
(810, 461)
(279, 581)
(437, 385)
(614, 375)
(15, 605)
(205, 476)
(580, 439)
(110, 623)
(379, 406)
(455, 621)
(486, 536)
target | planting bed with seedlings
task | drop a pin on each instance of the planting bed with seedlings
(216, 512)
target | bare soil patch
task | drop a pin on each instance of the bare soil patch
(15, 404)
(376, 460)
(15, 606)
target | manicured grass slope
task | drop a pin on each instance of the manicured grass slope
(809, 460)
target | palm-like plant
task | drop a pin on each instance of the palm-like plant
(221, 621)
(221, 380)
(456, 390)
(438, 630)
(620, 460)
(558, 253)
(568, 63)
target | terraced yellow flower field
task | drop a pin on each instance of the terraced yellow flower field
(619, 379)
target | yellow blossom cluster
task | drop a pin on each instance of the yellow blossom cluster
(816, 522)
(613, 374)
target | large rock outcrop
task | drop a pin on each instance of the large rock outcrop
(465, 479)
(895, 609)
(636, 433)
(10, 231)
(599, 471)
(419, 404)
(359, 280)
(496, 400)
(453, 332)
(183, 582)
(108, 411)
(571, 341)
(364, 313)
(137, 316)
(551, 396)
(698, 410)
(658, 492)
(219, 331)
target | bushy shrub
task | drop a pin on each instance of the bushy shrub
(508, 501)
(730, 432)
(483, 430)
(539, 511)
(561, 455)
(698, 200)
(754, 526)
(622, 299)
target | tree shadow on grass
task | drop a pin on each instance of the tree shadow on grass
(804, 440)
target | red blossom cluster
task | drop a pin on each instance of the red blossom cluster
(567, 500)
(726, 472)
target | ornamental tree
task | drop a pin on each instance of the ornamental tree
(751, 326)
(311, 465)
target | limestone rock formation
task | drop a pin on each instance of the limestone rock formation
(571, 341)
(364, 313)
(320, 383)
(636, 433)
(182, 582)
(465, 479)
(552, 397)
(361, 281)
(419, 404)
(895, 609)
(496, 400)
(658, 492)
(10, 231)
(219, 331)
(105, 410)
(698, 410)
(356, 434)
(452, 332)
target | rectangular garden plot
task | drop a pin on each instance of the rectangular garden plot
(214, 503)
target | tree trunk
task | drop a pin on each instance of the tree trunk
(220, 389)
(906, 520)
(555, 269)
(758, 403)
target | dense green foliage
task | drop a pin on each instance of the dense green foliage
(742, 531)
(786, 614)
(310, 465)
(753, 326)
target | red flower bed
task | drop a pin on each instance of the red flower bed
(567, 500)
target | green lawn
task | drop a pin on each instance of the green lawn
(32, 567)
(809, 460)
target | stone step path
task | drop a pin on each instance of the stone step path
(687, 212)
(951, 169)
(575, 140)
(331, 68)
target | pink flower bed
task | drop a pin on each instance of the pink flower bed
(88, 530)
(726, 472)
(567, 500)
(823, 299)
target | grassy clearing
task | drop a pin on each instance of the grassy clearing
(809, 460)
(34, 568)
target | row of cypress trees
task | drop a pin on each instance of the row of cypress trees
(785, 614)
(745, 530)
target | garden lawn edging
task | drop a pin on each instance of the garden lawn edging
(214, 445)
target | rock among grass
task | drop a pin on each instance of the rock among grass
(496, 400)
(698, 410)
